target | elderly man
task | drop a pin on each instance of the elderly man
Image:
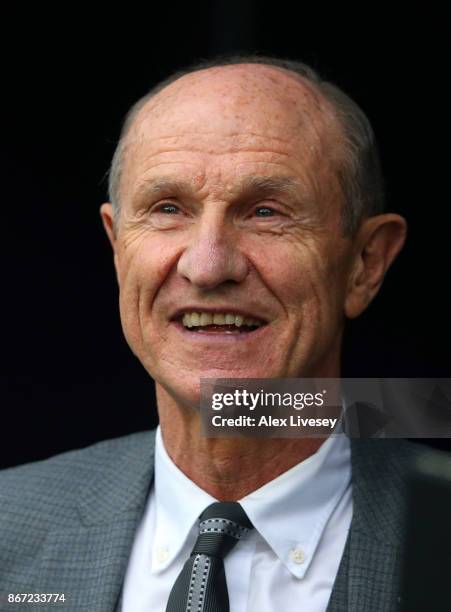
(247, 224)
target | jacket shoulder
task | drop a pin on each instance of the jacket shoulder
(48, 490)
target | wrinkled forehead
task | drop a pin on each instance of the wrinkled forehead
(219, 108)
(243, 96)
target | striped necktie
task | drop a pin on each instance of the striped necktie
(201, 585)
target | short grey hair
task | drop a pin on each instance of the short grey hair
(358, 171)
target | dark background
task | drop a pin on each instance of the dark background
(67, 377)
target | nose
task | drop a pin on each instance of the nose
(212, 256)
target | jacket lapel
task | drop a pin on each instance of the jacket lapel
(368, 577)
(88, 563)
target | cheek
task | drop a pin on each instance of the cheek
(325, 302)
(143, 267)
(306, 279)
(145, 263)
(298, 271)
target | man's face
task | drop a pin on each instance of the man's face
(231, 217)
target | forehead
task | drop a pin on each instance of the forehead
(244, 109)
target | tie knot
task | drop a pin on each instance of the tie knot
(221, 525)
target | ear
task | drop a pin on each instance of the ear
(378, 242)
(107, 214)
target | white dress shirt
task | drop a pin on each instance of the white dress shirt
(301, 520)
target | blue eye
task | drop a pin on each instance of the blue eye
(264, 211)
(169, 209)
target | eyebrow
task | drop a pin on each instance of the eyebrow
(274, 184)
(252, 185)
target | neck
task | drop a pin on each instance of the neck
(226, 468)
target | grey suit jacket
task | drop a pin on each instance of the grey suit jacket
(67, 525)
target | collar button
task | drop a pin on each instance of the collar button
(162, 555)
(297, 555)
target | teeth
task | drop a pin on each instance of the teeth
(206, 318)
(196, 319)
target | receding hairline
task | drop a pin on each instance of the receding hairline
(314, 92)
(249, 66)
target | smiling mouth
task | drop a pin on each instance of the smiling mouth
(226, 323)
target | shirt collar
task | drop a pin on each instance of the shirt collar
(178, 504)
(290, 512)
